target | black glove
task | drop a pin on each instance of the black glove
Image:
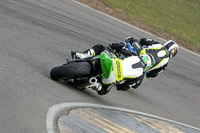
(117, 45)
(113, 45)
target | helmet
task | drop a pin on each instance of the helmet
(148, 61)
(172, 47)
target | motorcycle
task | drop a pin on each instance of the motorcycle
(83, 72)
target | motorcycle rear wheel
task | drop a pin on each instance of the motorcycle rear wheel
(67, 71)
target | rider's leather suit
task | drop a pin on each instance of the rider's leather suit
(159, 54)
(127, 72)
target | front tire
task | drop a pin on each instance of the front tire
(68, 71)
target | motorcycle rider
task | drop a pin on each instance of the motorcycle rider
(127, 72)
(160, 54)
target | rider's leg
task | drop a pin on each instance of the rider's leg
(95, 50)
(82, 55)
(137, 46)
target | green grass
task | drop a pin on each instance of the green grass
(177, 17)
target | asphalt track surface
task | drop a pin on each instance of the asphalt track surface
(38, 35)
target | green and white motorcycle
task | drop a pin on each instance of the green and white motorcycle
(83, 72)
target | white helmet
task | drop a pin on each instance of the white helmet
(172, 47)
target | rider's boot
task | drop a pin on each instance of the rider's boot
(82, 55)
(97, 86)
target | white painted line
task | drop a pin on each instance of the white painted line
(55, 111)
(131, 25)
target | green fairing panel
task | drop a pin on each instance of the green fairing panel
(64, 78)
(106, 64)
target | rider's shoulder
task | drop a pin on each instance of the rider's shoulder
(156, 45)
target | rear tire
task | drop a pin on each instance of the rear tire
(67, 71)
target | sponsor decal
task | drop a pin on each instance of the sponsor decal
(118, 69)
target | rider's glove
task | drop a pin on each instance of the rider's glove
(115, 45)
(96, 86)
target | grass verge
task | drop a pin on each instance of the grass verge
(172, 19)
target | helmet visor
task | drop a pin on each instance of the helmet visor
(174, 52)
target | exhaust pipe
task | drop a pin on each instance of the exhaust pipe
(93, 80)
